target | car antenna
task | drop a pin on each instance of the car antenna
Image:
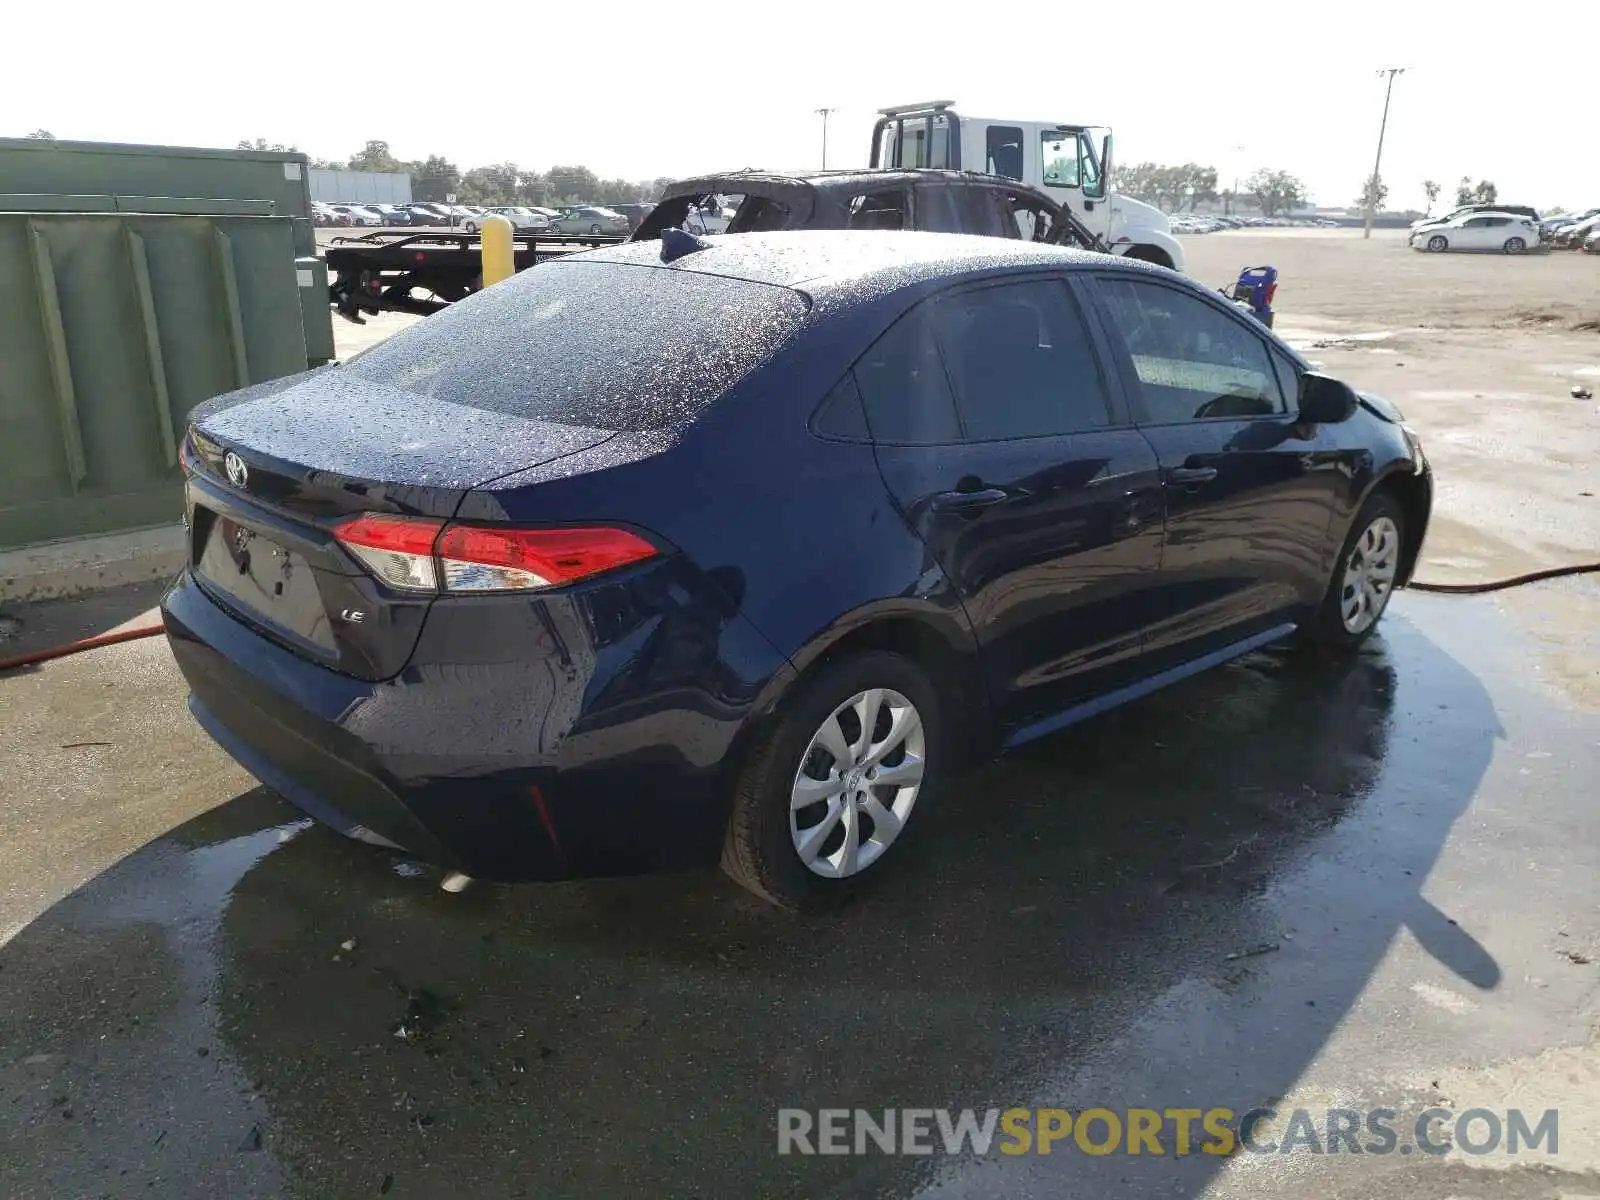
(675, 243)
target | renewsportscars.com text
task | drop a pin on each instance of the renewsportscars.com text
(1165, 1131)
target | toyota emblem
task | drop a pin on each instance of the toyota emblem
(238, 473)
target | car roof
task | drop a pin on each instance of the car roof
(848, 180)
(834, 260)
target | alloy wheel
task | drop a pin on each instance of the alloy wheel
(857, 783)
(1436, 244)
(1369, 575)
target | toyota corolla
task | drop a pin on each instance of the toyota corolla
(684, 551)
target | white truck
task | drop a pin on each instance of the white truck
(1070, 163)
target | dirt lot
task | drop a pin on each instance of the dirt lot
(1480, 351)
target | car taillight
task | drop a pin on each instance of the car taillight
(398, 550)
(422, 555)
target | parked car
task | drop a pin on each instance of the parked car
(521, 219)
(1465, 210)
(1478, 231)
(589, 218)
(326, 214)
(635, 213)
(429, 214)
(932, 199)
(1591, 244)
(394, 215)
(527, 219)
(728, 557)
(1572, 236)
(359, 214)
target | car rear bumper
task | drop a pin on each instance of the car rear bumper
(536, 768)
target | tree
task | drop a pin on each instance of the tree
(42, 135)
(1431, 190)
(263, 144)
(571, 185)
(1373, 193)
(1168, 187)
(1482, 192)
(375, 156)
(434, 178)
(1275, 191)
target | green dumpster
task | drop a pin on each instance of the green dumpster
(136, 282)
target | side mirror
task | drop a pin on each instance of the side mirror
(1325, 400)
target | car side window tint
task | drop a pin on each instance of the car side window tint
(1020, 361)
(903, 385)
(880, 210)
(1194, 362)
(840, 414)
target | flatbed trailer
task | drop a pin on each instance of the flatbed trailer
(385, 271)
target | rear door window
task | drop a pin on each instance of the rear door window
(596, 344)
(904, 387)
(1020, 362)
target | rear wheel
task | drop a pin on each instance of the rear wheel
(831, 785)
(1363, 578)
(471, 227)
(1515, 245)
(1438, 244)
(595, 228)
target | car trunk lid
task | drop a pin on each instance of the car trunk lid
(276, 468)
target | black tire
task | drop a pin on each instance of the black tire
(1438, 244)
(595, 228)
(1515, 245)
(758, 852)
(1326, 634)
(471, 227)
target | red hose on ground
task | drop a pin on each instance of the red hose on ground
(88, 643)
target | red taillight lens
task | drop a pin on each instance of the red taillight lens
(478, 559)
(398, 550)
(422, 555)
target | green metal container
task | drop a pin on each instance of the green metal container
(136, 282)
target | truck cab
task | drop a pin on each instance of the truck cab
(1069, 163)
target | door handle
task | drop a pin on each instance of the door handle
(968, 502)
(1190, 476)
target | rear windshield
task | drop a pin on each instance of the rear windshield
(590, 343)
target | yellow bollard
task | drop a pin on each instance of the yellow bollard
(499, 255)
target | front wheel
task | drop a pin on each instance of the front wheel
(829, 787)
(1363, 578)
(1438, 244)
(1515, 245)
(593, 229)
(471, 227)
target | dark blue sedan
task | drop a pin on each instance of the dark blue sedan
(629, 563)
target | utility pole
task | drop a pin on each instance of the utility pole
(1372, 193)
(823, 113)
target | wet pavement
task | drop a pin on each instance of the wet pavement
(201, 994)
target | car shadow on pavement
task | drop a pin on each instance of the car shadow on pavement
(1176, 903)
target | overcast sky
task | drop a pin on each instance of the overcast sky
(677, 89)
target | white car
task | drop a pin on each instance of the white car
(522, 219)
(1478, 231)
(359, 215)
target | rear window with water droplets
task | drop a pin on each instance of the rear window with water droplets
(597, 344)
